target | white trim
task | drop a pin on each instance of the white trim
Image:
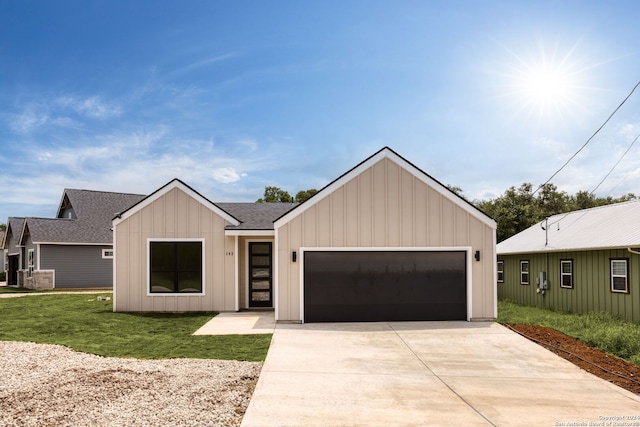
(269, 233)
(175, 239)
(385, 153)
(626, 275)
(175, 183)
(74, 243)
(247, 276)
(114, 273)
(528, 272)
(468, 273)
(105, 256)
(562, 274)
(37, 266)
(276, 275)
(31, 264)
(236, 275)
(495, 276)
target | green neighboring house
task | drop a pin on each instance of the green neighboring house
(582, 261)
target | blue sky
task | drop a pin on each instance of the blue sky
(233, 96)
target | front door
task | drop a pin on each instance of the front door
(12, 273)
(260, 274)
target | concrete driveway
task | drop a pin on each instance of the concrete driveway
(425, 373)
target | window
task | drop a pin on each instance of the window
(176, 266)
(524, 272)
(619, 276)
(107, 254)
(566, 273)
(30, 263)
(500, 271)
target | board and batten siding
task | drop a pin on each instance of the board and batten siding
(591, 282)
(77, 266)
(385, 206)
(174, 215)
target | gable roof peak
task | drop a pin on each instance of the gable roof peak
(387, 153)
(169, 186)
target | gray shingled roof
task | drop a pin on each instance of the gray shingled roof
(14, 225)
(94, 211)
(255, 216)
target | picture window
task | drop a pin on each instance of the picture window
(176, 267)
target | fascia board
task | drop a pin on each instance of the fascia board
(326, 191)
(403, 163)
(556, 250)
(440, 188)
(249, 233)
(176, 183)
(74, 243)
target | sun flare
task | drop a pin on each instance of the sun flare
(546, 85)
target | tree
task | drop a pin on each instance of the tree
(303, 195)
(518, 208)
(275, 195)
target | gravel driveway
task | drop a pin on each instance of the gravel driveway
(50, 385)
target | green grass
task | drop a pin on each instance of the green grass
(598, 329)
(83, 323)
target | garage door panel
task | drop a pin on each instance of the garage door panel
(384, 285)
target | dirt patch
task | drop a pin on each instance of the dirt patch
(597, 362)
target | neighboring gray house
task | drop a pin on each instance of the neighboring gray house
(3, 266)
(74, 249)
(12, 248)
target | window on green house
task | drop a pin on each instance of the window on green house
(619, 276)
(524, 272)
(500, 271)
(566, 273)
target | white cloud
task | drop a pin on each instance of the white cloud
(30, 118)
(226, 175)
(92, 107)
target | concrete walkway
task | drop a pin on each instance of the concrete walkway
(240, 323)
(424, 373)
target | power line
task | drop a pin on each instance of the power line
(614, 166)
(588, 140)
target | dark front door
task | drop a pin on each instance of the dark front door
(260, 275)
(12, 274)
(351, 286)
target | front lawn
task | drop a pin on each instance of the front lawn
(83, 323)
(599, 329)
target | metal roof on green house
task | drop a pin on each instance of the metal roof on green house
(603, 227)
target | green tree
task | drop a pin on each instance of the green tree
(519, 208)
(303, 195)
(275, 195)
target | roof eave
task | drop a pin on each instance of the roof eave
(243, 232)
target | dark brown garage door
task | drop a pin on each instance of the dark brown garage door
(351, 286)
